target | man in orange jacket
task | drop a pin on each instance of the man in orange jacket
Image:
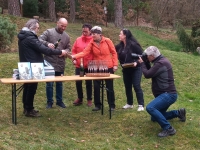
(103, 49)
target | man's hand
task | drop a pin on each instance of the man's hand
(140, 60)
(68, 54)
(115, 68)
(64, 53)
(51, 45)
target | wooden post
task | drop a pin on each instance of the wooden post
(21, 8)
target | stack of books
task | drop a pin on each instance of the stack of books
(48, 70)
(28, 71)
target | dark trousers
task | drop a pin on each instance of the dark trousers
(79, 88)
(110, 91)
(28, 95)
(132, 77)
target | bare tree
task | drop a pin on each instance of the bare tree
(167, 12)
(14, 7)
(72, 10)
(52, 14)
(118, 13)
(158, 10)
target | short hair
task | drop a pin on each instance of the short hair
(96, 29)
(152, 50)
(31, 24)
(86, 25)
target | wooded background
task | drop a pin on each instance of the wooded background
(157, 13)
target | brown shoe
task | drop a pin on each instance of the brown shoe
(77, 102)
(32, 113)
(89, 103)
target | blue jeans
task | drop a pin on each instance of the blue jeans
(59, 90)
(132, 78)
(157, 108)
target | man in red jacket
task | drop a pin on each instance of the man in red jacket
(79, 45)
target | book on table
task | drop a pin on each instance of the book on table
(38, 70)
(25, 72)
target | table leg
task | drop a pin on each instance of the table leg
(102, 96)
(14, 111)
(109, 102)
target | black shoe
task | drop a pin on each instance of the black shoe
(32, 113)
(61, 104)
(167, 132)
(96, 109)
(24, 112)
(49, 105)
(182, 114)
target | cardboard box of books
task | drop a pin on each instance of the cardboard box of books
(24, 70)
(38, 70)
(48, 70)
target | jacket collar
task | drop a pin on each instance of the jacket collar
(157, 58)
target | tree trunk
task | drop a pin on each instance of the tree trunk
(72, 10)
(118, 13)
(14, 7)
(52, 14)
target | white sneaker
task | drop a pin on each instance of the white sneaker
(140, 108)
(127, 106)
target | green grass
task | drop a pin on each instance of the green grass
(78, 128)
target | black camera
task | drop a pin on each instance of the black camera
(143, 56)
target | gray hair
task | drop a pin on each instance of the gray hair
(96, 29)
(31, 24)
(152, 50)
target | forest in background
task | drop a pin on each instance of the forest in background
(170, 14)
(153, 13)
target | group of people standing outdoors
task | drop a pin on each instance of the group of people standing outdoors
(92, 45)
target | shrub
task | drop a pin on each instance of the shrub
(30, 8)
(7, 32)
(91, 12)
(196, 29)
(187, 41)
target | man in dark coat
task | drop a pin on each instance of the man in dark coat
(31, 50)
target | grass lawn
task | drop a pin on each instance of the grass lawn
(78, 128)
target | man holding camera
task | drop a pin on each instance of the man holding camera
(163, 89)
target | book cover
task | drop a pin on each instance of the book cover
(37, 70)
(24, 70)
